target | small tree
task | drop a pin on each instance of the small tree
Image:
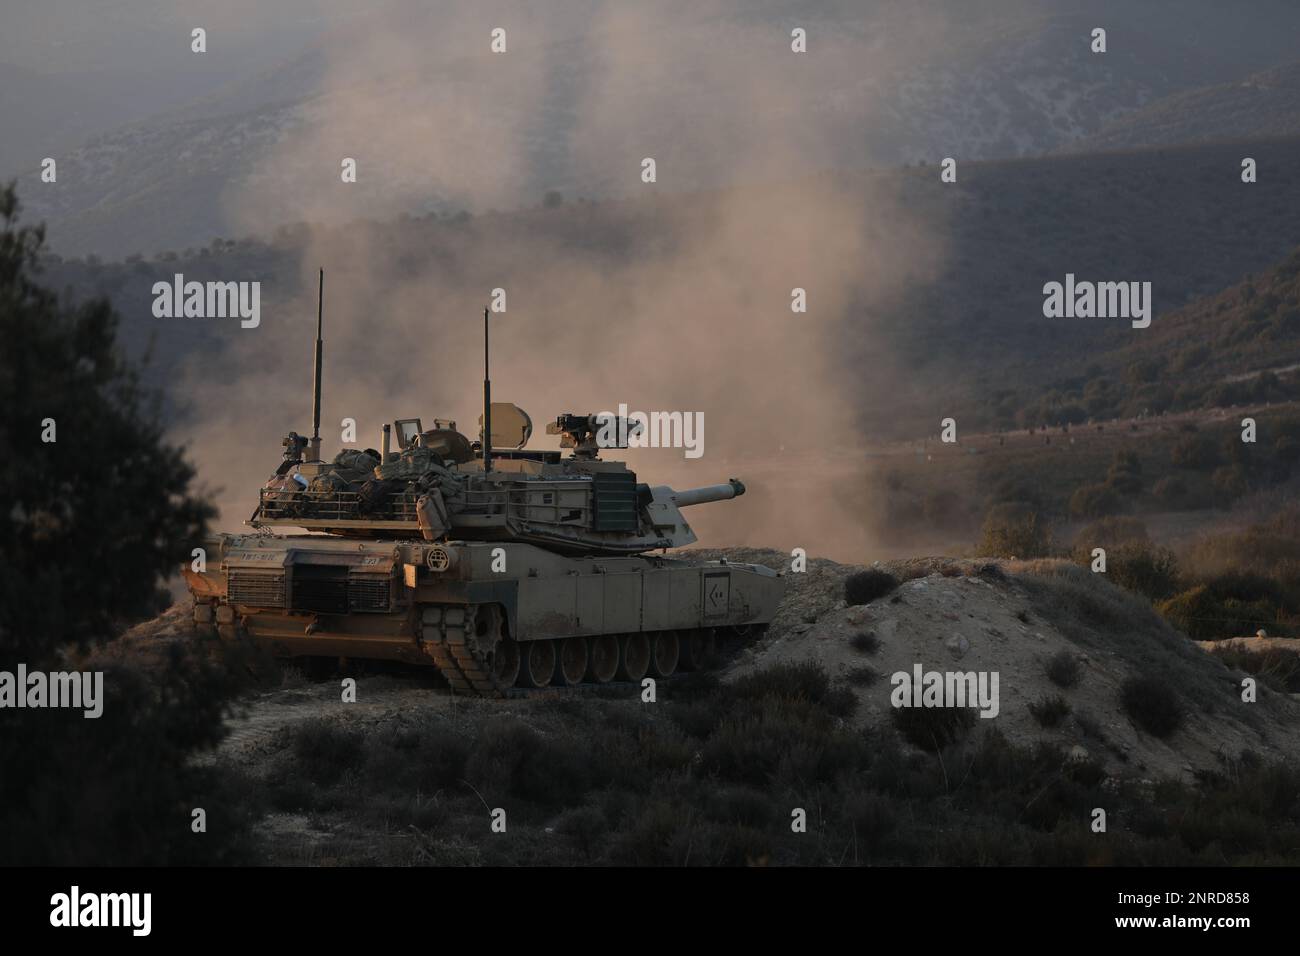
(96, 513)
(1014, 530)
(1095, 501)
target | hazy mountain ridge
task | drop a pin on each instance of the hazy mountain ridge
(966, 323)
(1265, 104)
(170, 182)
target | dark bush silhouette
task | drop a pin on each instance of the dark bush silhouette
(1151, 705)
(1170, 490)
(862, 675)
(1211, 611)
(1147, 569)
(865, 642)
(1050, 711)
(1063, 669)
(933, 728)
(325, 750)
(863, 587)
(92, 523)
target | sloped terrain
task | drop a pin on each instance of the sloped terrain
(1262, 105)
(1014, 618)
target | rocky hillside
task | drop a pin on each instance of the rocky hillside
(1017, 619)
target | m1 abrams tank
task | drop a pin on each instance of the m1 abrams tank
(501, 567)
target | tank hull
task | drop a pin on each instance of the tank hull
(471, 608)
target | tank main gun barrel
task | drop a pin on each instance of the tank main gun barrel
(698, 496)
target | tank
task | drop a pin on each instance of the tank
(500, 566)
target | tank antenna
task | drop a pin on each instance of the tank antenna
(315, 385)
(487, 401)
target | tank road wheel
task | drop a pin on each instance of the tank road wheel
(573, 660)
(665, 650)
(602, 661)
(505, 663)
(537, 663)
(698, 649)
(633, 656)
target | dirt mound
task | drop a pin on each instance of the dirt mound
(952, 615)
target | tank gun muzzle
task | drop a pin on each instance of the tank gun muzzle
(698, 496)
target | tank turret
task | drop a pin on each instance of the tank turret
(434, 487)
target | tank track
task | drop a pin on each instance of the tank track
(462, 643)
(462, 640)
(448, 636)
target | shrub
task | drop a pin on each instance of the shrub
(510, 759)
(1125, 474)
(1230, 483)
(1013, 530)
(865, 642)
(1063, 669)
(807, 681)
(425, 758)
(740, 804)
(777, 741)
(933, 728)
(861, 676)
(1110, 533)
(1049, 711)
(1278, 669)
(1197, 452)
(1151, 705)
(871, 816)
(1170, 490)
(324, 749)
(1205, 613)
(863, 587)
(1192, 612)
(1190, 357)
(1095, 501)
(1144, 371)
(1149, 570)
(1286, 450)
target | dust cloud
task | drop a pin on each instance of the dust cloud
(672, 296)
